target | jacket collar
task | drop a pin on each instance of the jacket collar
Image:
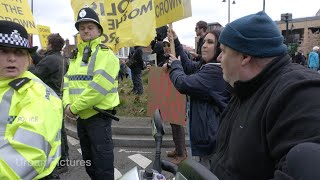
(5, 83)
(52, 52)
(244, 89)
(92, 43)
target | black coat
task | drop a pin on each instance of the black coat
(300, 59)
(158, 49)
(138, 59)
(51, 70)
(268, 115)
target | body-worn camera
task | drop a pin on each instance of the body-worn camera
(86, 54)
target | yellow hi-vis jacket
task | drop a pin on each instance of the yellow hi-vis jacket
(30, 125)
(93, 83)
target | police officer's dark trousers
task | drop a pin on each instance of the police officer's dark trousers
(137, 81)
(97, 147)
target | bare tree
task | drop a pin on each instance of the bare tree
(313, 39)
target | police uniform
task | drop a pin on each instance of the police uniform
(30, 118)
(89, 83)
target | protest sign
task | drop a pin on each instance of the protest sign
(169, 11)
(163, 95)
(44, 32)
(18, 11)
(126, 23)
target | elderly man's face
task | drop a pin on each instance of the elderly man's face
(230, 63)
(13, 62)
(88, 31)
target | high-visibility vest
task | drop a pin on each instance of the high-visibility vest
(93, 83)
(30, 125)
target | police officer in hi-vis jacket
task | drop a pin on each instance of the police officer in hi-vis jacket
(30, 112)
(91, 82)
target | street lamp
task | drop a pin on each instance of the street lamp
(233, 2)
(286, 18)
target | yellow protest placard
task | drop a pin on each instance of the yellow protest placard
(124, 23)
(169, 11)
(132, 21)
(44, 32)
(18, 11)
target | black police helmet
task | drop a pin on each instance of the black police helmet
(14, 35)
(88, 14)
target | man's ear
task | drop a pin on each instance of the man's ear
(246, 60)
(100, 31)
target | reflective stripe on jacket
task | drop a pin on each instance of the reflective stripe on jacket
(30, 145)
(94, 83)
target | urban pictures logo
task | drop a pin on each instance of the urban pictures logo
(42, 163)
(74, 163)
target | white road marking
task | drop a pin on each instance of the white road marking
(117, 174)
(79, 150)
(139, 152)
(73, 141)
(140, 160)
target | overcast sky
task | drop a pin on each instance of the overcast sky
(58, 14)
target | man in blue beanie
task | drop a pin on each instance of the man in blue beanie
(276, 104)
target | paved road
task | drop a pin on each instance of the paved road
(125, 159)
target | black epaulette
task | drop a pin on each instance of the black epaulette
(18, 83)
(102, 46)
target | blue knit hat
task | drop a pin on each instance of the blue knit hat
(255, 35)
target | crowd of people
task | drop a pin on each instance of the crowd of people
(243, 96)
(32, 122)
(251, 113)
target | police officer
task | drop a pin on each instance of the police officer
(30, 112)
(91, 82)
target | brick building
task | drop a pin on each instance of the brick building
(302, 32)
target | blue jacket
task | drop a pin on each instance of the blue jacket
(313, 60)
(208, 98)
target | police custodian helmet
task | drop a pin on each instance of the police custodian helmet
(14, 35)
(88, 14)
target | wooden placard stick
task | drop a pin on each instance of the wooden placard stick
(172, 47)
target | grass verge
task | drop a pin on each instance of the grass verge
(132, 105)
